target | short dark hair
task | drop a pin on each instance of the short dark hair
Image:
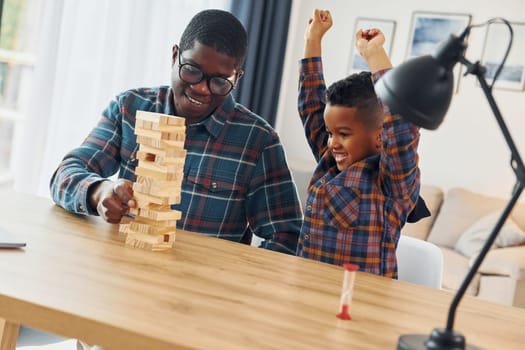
(219, 30)
(357, 91)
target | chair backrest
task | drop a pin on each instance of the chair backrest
(419, 262)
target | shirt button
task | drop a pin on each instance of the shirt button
(306, 236)
(309, 208)
(214, 185)
(81, 208)
(322, 181)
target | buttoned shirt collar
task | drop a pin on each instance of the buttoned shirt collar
(215, 122)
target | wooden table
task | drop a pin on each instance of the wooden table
(77, 279)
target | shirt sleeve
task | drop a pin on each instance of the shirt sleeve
(273, 207)
(94, 160)
(399, 159)
(311, 104)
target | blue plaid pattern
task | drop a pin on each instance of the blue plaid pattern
(236, 178)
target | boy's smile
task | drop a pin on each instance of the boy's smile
(349, 139)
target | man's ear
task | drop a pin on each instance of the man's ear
(174, 53)
(379, 139)
(240, 73)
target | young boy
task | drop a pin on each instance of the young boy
(367, 179)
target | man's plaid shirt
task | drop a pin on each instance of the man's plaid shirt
(236, 179)
(355, 216)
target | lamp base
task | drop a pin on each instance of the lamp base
(439, 339)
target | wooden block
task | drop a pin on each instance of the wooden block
(153, 117)
(145, 199)
(176, 168)
(156, 223)
(171, 191)
(156, 214)
(150, 229)
(135, 241)
(159, 159)
(159, 122)
(122, 228)
(150, 238)
(147, 125)
(143, 124)
(160, 118)
(143, 140)
(158, 207)
(161, 184)
(149, 157)
(156, 174)
(176, 136)
(161, 135)
(176, 120)
(164, 152)
(169, 128)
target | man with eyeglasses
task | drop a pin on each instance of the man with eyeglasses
(236, 179)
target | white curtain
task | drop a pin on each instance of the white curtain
(89, 51)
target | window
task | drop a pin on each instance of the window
(18, 43)
(64, 61)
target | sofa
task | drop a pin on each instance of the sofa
(460, 222)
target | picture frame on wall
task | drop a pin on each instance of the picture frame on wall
(512, 76)
(429, 29)
(388, 27)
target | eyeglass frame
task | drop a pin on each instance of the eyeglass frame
(208, 77)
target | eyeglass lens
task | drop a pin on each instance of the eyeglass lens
(193, 75)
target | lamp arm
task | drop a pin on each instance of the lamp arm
(519, 170)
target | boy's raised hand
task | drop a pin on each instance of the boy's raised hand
(318, 25)
(369, 43)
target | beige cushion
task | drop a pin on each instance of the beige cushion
(504, 261)
(502, 290)
(472, 240)
(518, 214)
(433, 197)
(455, 268)
(461, 209)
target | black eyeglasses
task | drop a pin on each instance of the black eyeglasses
(193, 75)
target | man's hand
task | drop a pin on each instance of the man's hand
(112, 199)
(369, 43)
(318, 25)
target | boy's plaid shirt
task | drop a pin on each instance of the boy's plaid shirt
(355, 216)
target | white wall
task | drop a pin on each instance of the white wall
(468, 150)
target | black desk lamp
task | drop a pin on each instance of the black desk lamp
(420, 90)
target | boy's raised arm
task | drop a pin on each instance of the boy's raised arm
(318, 25)
(370, 43)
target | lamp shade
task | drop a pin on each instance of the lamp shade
(420, 90)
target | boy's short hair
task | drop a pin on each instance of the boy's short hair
(357, 91)
(219, 30)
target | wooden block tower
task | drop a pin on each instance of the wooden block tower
(159, 174)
